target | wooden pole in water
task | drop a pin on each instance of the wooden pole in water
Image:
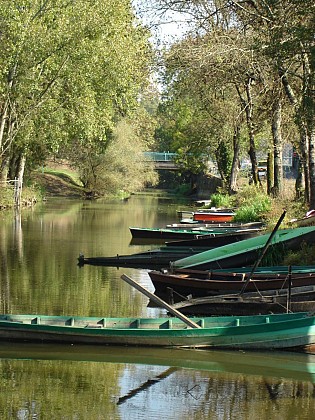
(263, 251)
(159, 301)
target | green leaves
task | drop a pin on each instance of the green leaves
(69, 70)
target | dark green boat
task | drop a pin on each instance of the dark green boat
(246, 252)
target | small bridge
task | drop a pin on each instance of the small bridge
(162, 160)
(165, 160)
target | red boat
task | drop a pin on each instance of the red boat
(215, 216)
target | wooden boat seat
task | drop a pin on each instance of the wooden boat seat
(93, 326)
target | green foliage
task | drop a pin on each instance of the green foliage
(119, 167)
(30, 194)
(247, 214)
(224, 160)
(252, 204)
(68, 71)
(183, 190)
(6, 197)
(274, 255)
(304, 256)
(221, 200)
(183, 129)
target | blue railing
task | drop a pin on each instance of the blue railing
(160, 156)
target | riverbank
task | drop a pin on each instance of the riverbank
(57, 180)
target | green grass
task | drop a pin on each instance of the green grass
(65, 174)
(6, 197)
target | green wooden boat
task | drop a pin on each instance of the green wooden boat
(283, 331)
(181, 233)
(269, 269)
(246, 252)
(154, 258)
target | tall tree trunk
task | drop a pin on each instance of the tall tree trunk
(20, 175)
(312, 167)
(299, 186)
(250, 127)
(4, 168)
(270, 173)
(277, 148)
(300, 121)
(3, 120)
(305, 161)
(5, 158)
(247, 106)
(236, 160)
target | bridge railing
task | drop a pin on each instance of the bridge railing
(160, 156)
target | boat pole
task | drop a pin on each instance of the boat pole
(289, 289)
(159, 301)
(263, 251)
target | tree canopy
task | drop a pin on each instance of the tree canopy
(69, 71)
(251, 65)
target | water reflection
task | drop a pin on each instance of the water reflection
(39, 274)
(58, 381)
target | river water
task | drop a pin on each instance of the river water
(39, 275)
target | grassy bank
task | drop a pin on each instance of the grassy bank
(55, 180)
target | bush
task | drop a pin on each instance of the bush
(183, 190)
(252, 205)
(304, 256)
(221, 200)
(247, 214)
(6, 197)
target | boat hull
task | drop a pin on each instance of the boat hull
(184, 233)
(154, 259)
(283, 331)
(215, 217)
(245, 307)
(214, 241)
(175, 286)
(246, 252)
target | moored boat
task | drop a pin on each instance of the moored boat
(178, 285)
(246, 252)
(215, 216)
(297, 299)
(183, 233)
(207, 215)
(155, 258)
(283, 331)
(211, 241)
(307, 220)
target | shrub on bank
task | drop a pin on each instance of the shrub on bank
(6, 197)
(220, 200)
(30, 195)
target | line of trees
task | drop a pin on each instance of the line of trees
(70, 72)
(242, 78)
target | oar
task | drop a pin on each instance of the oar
(159, 301)
(263, 252)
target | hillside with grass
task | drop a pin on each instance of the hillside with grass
(58, 179)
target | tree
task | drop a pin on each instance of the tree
(69, 71)
(279, 41)
(119, 166)
(285, 34)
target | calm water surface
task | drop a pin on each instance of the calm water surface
(39, 274)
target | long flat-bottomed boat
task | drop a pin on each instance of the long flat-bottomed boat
(281, 331)
(246, 252)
